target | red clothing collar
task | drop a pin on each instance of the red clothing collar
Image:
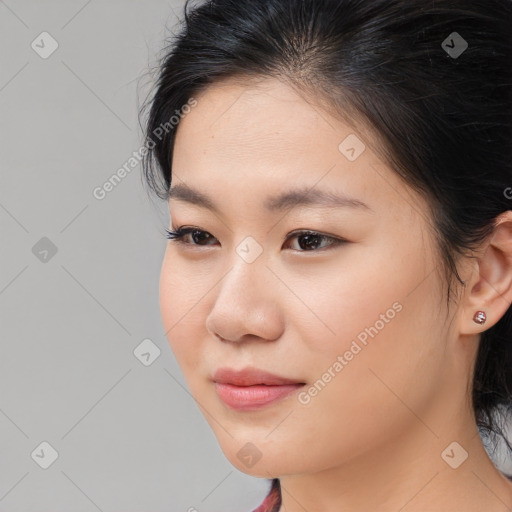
(272, 502)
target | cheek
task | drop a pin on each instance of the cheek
(353, 296)
(180, 294)
(375, 393)
(374, 334)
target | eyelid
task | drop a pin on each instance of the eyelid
(306, 231)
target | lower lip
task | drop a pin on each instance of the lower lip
(248, 398)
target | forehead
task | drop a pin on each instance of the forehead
(261, 124)
(266, 113)
(258, 137)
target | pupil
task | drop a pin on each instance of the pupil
(198, 236)
(308, 239)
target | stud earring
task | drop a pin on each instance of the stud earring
(479, 317)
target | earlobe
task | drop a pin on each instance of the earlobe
(490, 290)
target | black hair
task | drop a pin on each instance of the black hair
(433, 80)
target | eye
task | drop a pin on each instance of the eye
(180, 234)
(312, 240)
(307, 240)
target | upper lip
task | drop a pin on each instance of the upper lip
(249, 377)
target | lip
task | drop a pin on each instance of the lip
(250, 376)
(251, 388)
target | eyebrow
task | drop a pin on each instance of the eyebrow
(291, 199)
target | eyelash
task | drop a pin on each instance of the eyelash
(179, 234)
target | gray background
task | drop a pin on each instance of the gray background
(129, 437)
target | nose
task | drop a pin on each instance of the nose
(247, 305)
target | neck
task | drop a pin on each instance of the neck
(416, 472)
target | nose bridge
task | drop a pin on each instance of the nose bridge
(245, 287)
(245, 302)
(248, 275)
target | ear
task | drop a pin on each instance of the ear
(489, 288)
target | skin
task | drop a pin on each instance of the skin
(373, 437)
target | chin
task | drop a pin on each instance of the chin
(257, 459)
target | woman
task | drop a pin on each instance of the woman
(337, 284)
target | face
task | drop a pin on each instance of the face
(349, 311)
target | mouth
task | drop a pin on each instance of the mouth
(252, 388)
